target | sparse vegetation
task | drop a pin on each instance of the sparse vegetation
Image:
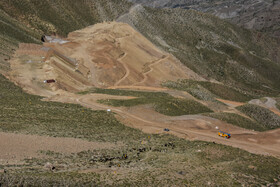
(238, 120)
(177, 107)
(244, 11)
(278, 102)
(162, 160)
(141, 159)
(263, 100)
(262, 115)
(26, 21)
(193, 88)
(28, 114)
(159, 157)
(62, 17)
(162, 102)
(208, 91)
(212, 48)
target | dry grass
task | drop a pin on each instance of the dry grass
(262, 115)
(162, 102)
(162, 160)
(238, 120)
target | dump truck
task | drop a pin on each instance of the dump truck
(49, 81)
(224, 134)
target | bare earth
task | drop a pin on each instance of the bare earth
(231, 103)
(18, 146)
(114, 55)
(193, 127)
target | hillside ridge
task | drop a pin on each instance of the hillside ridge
(260, 15)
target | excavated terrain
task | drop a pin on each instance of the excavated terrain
(103, 55)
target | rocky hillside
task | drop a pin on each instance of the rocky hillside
(261, 15)
(27, 21)
(212, 47)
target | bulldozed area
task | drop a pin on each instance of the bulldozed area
(103, 55)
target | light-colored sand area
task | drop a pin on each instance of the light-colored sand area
(19, 146)
(104, 55)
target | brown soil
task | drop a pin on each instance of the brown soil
(276, 111)
(103, 55)
(194, 127)
(234, 104)
(231, 103)
(18, 146)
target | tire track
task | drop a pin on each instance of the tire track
(151, 69)
(126, 69)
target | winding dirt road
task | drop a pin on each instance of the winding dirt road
(95, 46)
(150, 70)
(127, 71)
(193, 127)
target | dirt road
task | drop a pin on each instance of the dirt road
(145, 74)
(193, 127)
(110, 57)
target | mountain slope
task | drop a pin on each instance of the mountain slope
(211, 47)
(261, 15)
(27, 21)
(133, 158)
(103, 55)
(63, 17)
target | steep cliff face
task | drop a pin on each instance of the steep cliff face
(261, 15)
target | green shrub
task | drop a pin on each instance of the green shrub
(262, 115)
(177, 107)
(213, 48)
(238, 120)
(278, 102)
(162, 102)
(21, 112)
(208, 91)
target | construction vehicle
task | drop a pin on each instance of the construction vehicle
(49, 81)
(166, 130)
(224, 134)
